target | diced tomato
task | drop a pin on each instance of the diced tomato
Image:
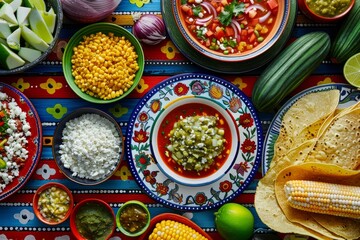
(187, 10)
(213, 26)
(229, 31)
(252, 13)
(250, 30)
(244, 32)
(209, 33)
(252, 38)
(254, 21)
(208, 42)
(272, 4)
(219, 33)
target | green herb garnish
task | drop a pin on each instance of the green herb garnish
(231, 10)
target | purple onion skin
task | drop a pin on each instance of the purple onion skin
(149, 29)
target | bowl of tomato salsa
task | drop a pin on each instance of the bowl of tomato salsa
(195, 141)
(325, 10)
(232, 30)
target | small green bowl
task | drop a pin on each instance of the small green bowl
(141, 206)
(92, 29)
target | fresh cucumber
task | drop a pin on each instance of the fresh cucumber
(346, 42)
(9, 59)
(289, 69)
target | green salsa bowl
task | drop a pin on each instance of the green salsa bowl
(92, 218)
(93, 29)
(325, 11)
(133, 218)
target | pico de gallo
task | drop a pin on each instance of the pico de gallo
(229, 26)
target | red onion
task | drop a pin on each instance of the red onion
(88, 11)
(204, 21)
(149, 28)
(256, 7)
(265, 17)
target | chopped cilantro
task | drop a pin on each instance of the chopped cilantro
(231, 10)
(183, 2)
(196, 10)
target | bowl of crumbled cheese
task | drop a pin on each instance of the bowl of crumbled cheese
(88, 146)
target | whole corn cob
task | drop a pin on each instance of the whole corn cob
(325, 198)
(169, 229)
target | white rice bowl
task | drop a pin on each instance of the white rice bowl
(91, 147)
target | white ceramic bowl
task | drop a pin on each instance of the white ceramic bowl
(199, 181)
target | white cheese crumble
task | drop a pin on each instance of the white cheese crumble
(91, 147)
(14, 151)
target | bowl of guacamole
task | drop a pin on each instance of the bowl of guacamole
(92, 219)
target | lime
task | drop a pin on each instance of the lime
(352, 70)
(234, 222)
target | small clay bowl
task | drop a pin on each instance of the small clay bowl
(39, 207)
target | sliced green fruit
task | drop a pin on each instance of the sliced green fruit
(34, 40)
(15, 4)
(2, 163)
(50, 19)
(38, 26)
(13, 40)
(9, 59)
(38, 4)
(6, 13)
(4, 29)
(29, 54)
(22, 15)
(352, 70)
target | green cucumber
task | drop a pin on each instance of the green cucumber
(4, 29)
(9, 59)
(289, 69)
(6, 13)
(13, 40)
(29, 54)
(22, 15)
(38, 26)
(346, 42)
(34, 40)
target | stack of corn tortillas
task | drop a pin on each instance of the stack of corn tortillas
(317, 141)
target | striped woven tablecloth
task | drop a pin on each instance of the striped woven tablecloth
(47, 89)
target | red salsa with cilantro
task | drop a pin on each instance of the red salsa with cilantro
(188, 110)
(229, 26)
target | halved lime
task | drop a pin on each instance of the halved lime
(352, 70)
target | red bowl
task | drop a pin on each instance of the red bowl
(174, 217)
(307, 11)
(98, 204)
(36, 202)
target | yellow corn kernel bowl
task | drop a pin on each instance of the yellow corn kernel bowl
(103, 63)
(162, 223)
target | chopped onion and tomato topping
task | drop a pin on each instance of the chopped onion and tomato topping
(229, 26)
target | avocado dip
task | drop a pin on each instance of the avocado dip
(94, 221)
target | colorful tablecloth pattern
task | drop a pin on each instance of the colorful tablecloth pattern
(47, 89)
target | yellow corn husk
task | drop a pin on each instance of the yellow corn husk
(324, 198)
(169, 229)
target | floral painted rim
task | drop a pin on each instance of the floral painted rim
(145, 170)
(348, 96)
(34, 142)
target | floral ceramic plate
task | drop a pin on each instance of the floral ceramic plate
(33, 146)
(348, 96)
(174, 194)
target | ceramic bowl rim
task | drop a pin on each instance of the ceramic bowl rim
(265, 46)
(36, 198)
(57, 139)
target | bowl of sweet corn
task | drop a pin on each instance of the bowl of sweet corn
(133, 218)
(103, 62)
(171, 225)
(53, 203)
